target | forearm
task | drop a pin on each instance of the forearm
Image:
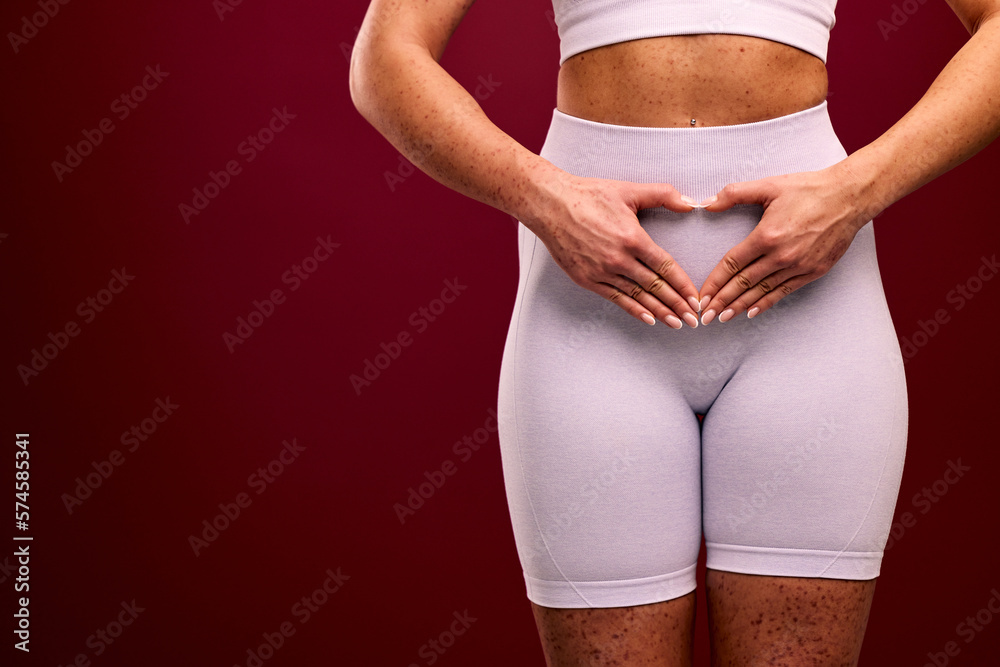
(436, 124)
(957, 117)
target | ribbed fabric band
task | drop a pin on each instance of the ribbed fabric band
(698, 161)
(587, 24)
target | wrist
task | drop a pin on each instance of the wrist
(539, 193)
(859, 175)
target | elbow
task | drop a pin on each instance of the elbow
(356, 80)
(365, 72)
(367, 77)
(375, 72)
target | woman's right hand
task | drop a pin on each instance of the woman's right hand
(593, 233)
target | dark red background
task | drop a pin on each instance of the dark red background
(324, 175)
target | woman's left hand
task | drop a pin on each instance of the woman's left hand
(809, 221)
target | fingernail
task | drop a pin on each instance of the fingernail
(648, 319)
(691, 320)
(694, 303)
(726, 314)
(704, 302)
(711, 200)
(753, 311)
(687, 200)
(707, 316)
(673, 321)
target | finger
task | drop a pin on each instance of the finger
(647, 301)
(621, 298)
(777, 294)
(677, 291)
(660, 297)
(653, 195)
(750, 283)
(750, 298)
(732, 263)
(761, 192)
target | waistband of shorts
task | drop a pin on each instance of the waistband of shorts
(815, 117)
(798, 141)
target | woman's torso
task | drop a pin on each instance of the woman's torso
(715, 79)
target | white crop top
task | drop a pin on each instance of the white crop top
(587, 24)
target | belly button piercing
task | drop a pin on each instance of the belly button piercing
(692, 121)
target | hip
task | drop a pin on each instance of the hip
(849, 302)
(698, 162)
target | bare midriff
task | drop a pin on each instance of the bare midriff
(711, 79)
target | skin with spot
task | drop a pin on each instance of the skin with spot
(652, 635)
(786, 621)
(590, 228)
(667, 81)
(754, 621)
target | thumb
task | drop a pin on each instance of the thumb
(744, 192)
(653, 195)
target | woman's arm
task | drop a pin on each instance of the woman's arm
(588, 225)
(957, 117)
(811, 218)
(397, 84)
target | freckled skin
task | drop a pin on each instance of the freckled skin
(652, 635)
(715, 79)
(786, 621)
(667, 81)
(710, 79)
(754, 621)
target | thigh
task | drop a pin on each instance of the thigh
(803, 454)
(762, 620)
(600, 452)
(653, 635)
(803, 449)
